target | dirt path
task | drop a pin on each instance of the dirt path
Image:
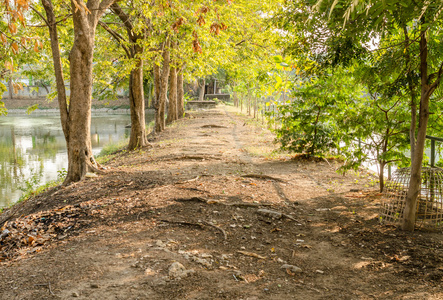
(211, 213)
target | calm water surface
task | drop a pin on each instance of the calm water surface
(33, 149)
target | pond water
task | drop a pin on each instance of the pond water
(33, 148)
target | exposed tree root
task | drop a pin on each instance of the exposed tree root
(213, 126)
(199, 225)
(265, 177)
(212, 201)
(225, 236)
(280, 192)
(94, 168)
(195, 199)
(184, 223)
(190, 157)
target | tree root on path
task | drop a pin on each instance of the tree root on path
(218, 228)
(264, 177)
(213, 126)
(94, 168)
(190, 157)
(212, 201)
(199, 225)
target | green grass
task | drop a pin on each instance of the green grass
(110, 150)
(34, 191)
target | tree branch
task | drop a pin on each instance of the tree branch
(117, 36)
(40, 15)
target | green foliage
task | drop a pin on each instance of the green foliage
(61, 175)
(109, 150)
(305, 124)
(35, 190)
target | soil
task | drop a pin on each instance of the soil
(212, 211)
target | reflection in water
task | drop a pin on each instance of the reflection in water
(33, 149)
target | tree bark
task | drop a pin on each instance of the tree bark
(172, 105)
(137, 138)
(180, 94)
(10, 89)
(80, 58)
(156, 102)
(381, 176)
(162, 88)
(76, 119)
(201, 89)
(415, 181)
(410, 81)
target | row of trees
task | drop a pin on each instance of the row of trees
(109, 44)
(362, 76)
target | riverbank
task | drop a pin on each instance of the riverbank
(211, 211)
(55, 111)
(44, 104)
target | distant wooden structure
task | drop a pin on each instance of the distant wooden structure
(213, 91)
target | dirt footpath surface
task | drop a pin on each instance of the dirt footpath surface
(210, 212)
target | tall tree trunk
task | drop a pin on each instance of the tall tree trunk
(172, 105)
(76, 121)
(415, 181)
(180, 93)
(80, 58)
(137, 138)
(156, 101)
(410, 81)
(201, 89)
(163, 90)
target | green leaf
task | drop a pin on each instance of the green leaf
(31, 108)
(278, 59)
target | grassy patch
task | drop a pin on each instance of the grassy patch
(110, 150)
(38, 190)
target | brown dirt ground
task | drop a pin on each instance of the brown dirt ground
(185, 200)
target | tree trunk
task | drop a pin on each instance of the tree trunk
(76, 121)
(381, 176)
(137, 138)
(156, 101)
(163, 77)
(180, 94)
(410, 81)
(80, 58)
(415, 181)
(10, 89)
(201, 89)
(172, 105)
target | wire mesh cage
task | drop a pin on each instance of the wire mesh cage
(429, 202)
